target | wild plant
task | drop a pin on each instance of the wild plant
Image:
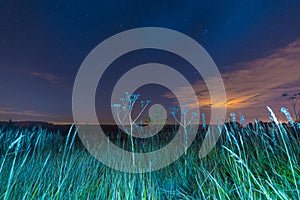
(287, 115)
(292, 99)
(242, 120)
(273, 137)
(124, 114)
(239, 167)
(203, 121)
(186, 122)
(233, 119)
(175, 110)
(274, 118)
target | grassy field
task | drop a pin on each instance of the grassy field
(254, 162)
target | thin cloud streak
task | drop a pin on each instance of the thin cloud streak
(11, 112)
(48, 77)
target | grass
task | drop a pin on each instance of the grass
(255, 162)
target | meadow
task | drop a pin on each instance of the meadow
(257, 161)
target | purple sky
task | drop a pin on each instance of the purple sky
(256, 46)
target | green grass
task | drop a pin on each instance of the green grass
(245, 164)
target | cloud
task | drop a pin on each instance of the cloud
(23, 113)
(48, 77)
(262, 81)
(253, 85)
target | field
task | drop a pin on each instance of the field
(253, 162)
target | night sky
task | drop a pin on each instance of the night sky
(255, 44)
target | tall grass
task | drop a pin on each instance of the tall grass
(245, 164)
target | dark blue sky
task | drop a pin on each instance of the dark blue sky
(43, 43)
